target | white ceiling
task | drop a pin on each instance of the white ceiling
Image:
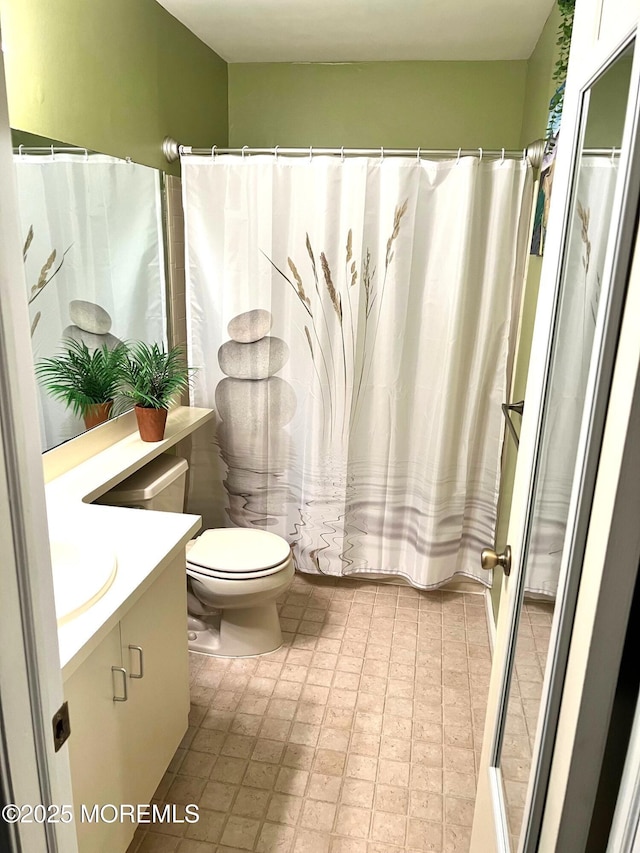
(364, 30)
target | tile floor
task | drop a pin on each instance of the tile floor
(532, 647)
(362, 734)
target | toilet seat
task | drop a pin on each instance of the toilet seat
(236, 553)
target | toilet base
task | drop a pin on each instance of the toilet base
(237, 632)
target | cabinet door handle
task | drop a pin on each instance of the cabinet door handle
(121, 669)
(140, 673)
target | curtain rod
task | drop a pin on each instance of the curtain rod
(172, 150)
(48, 149)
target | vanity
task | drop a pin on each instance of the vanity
(123, 650)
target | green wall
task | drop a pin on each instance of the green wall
(391, 104)
(539, 89)
(115, 76)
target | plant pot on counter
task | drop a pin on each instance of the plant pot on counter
(97, 413)
(151, 423)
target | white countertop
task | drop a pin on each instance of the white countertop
(144, 542)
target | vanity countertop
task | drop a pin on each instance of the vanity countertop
(144, 542)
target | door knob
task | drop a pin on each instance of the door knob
(489, 559)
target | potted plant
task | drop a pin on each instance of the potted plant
(152, 377)
(85, 380)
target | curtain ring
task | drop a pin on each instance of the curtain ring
(244, 148)
(418, 155)
(53, 153)
(86, 155)
(213, 151)
(20, 151)
(613, 153)
(275, 152)
(480, 150)
(458, 157)
(381, 154)
(524, 155)
(502, 158)
(311, 153)
(342, 154)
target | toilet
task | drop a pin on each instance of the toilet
(234, 575)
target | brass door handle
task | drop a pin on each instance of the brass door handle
(489, 559)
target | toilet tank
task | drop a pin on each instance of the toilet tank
(160, 485)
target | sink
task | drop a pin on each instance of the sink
(82, 574)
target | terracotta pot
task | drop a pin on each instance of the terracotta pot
(151, 423)
(97, 413)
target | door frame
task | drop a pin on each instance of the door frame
(586, 64)
(31, 772)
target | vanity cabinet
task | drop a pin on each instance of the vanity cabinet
(119, 750)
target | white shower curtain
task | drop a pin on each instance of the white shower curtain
(92, 227)
(574, 344)
(351, 323)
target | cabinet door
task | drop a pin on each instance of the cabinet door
(158, 707)
(95, 747)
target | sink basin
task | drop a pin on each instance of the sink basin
(81, 575)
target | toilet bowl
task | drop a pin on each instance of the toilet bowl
(234, 575)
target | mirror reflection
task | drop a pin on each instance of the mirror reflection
(94, 263)
(587, 243)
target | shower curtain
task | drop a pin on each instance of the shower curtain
(574, 344)
(351, 322)
(92, 231)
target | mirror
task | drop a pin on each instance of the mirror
(94, 257)
(588, 240)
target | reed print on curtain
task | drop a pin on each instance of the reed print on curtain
(351, 322)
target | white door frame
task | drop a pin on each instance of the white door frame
(588, 57)
(31, 772)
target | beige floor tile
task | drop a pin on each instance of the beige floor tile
(308, 841)
(353, 821)
(275, 838)
(261, 775)
(208, 827)
(250, 802)
(299, 756)
(396, 749)
(240, 832)
(228, 769)
(329, 762)
(363, 743)
(318, 815)
(393, 772)
(457, 839)
(389, 828)
(358, 792)
(359, 735)
(337, 739)
(348, 845)
(185, 790)
(269, 751)
(197, 764)
(424, 835)
(458, 811)
(291, 781)
(324, 787)
(390, 798)
(153, 842)
(362, 767)
(284, 808)
(218, 796)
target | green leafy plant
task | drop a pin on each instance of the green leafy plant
(80, 377)
(559, 76)
(152, 377)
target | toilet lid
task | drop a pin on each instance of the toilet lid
(238, 553)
